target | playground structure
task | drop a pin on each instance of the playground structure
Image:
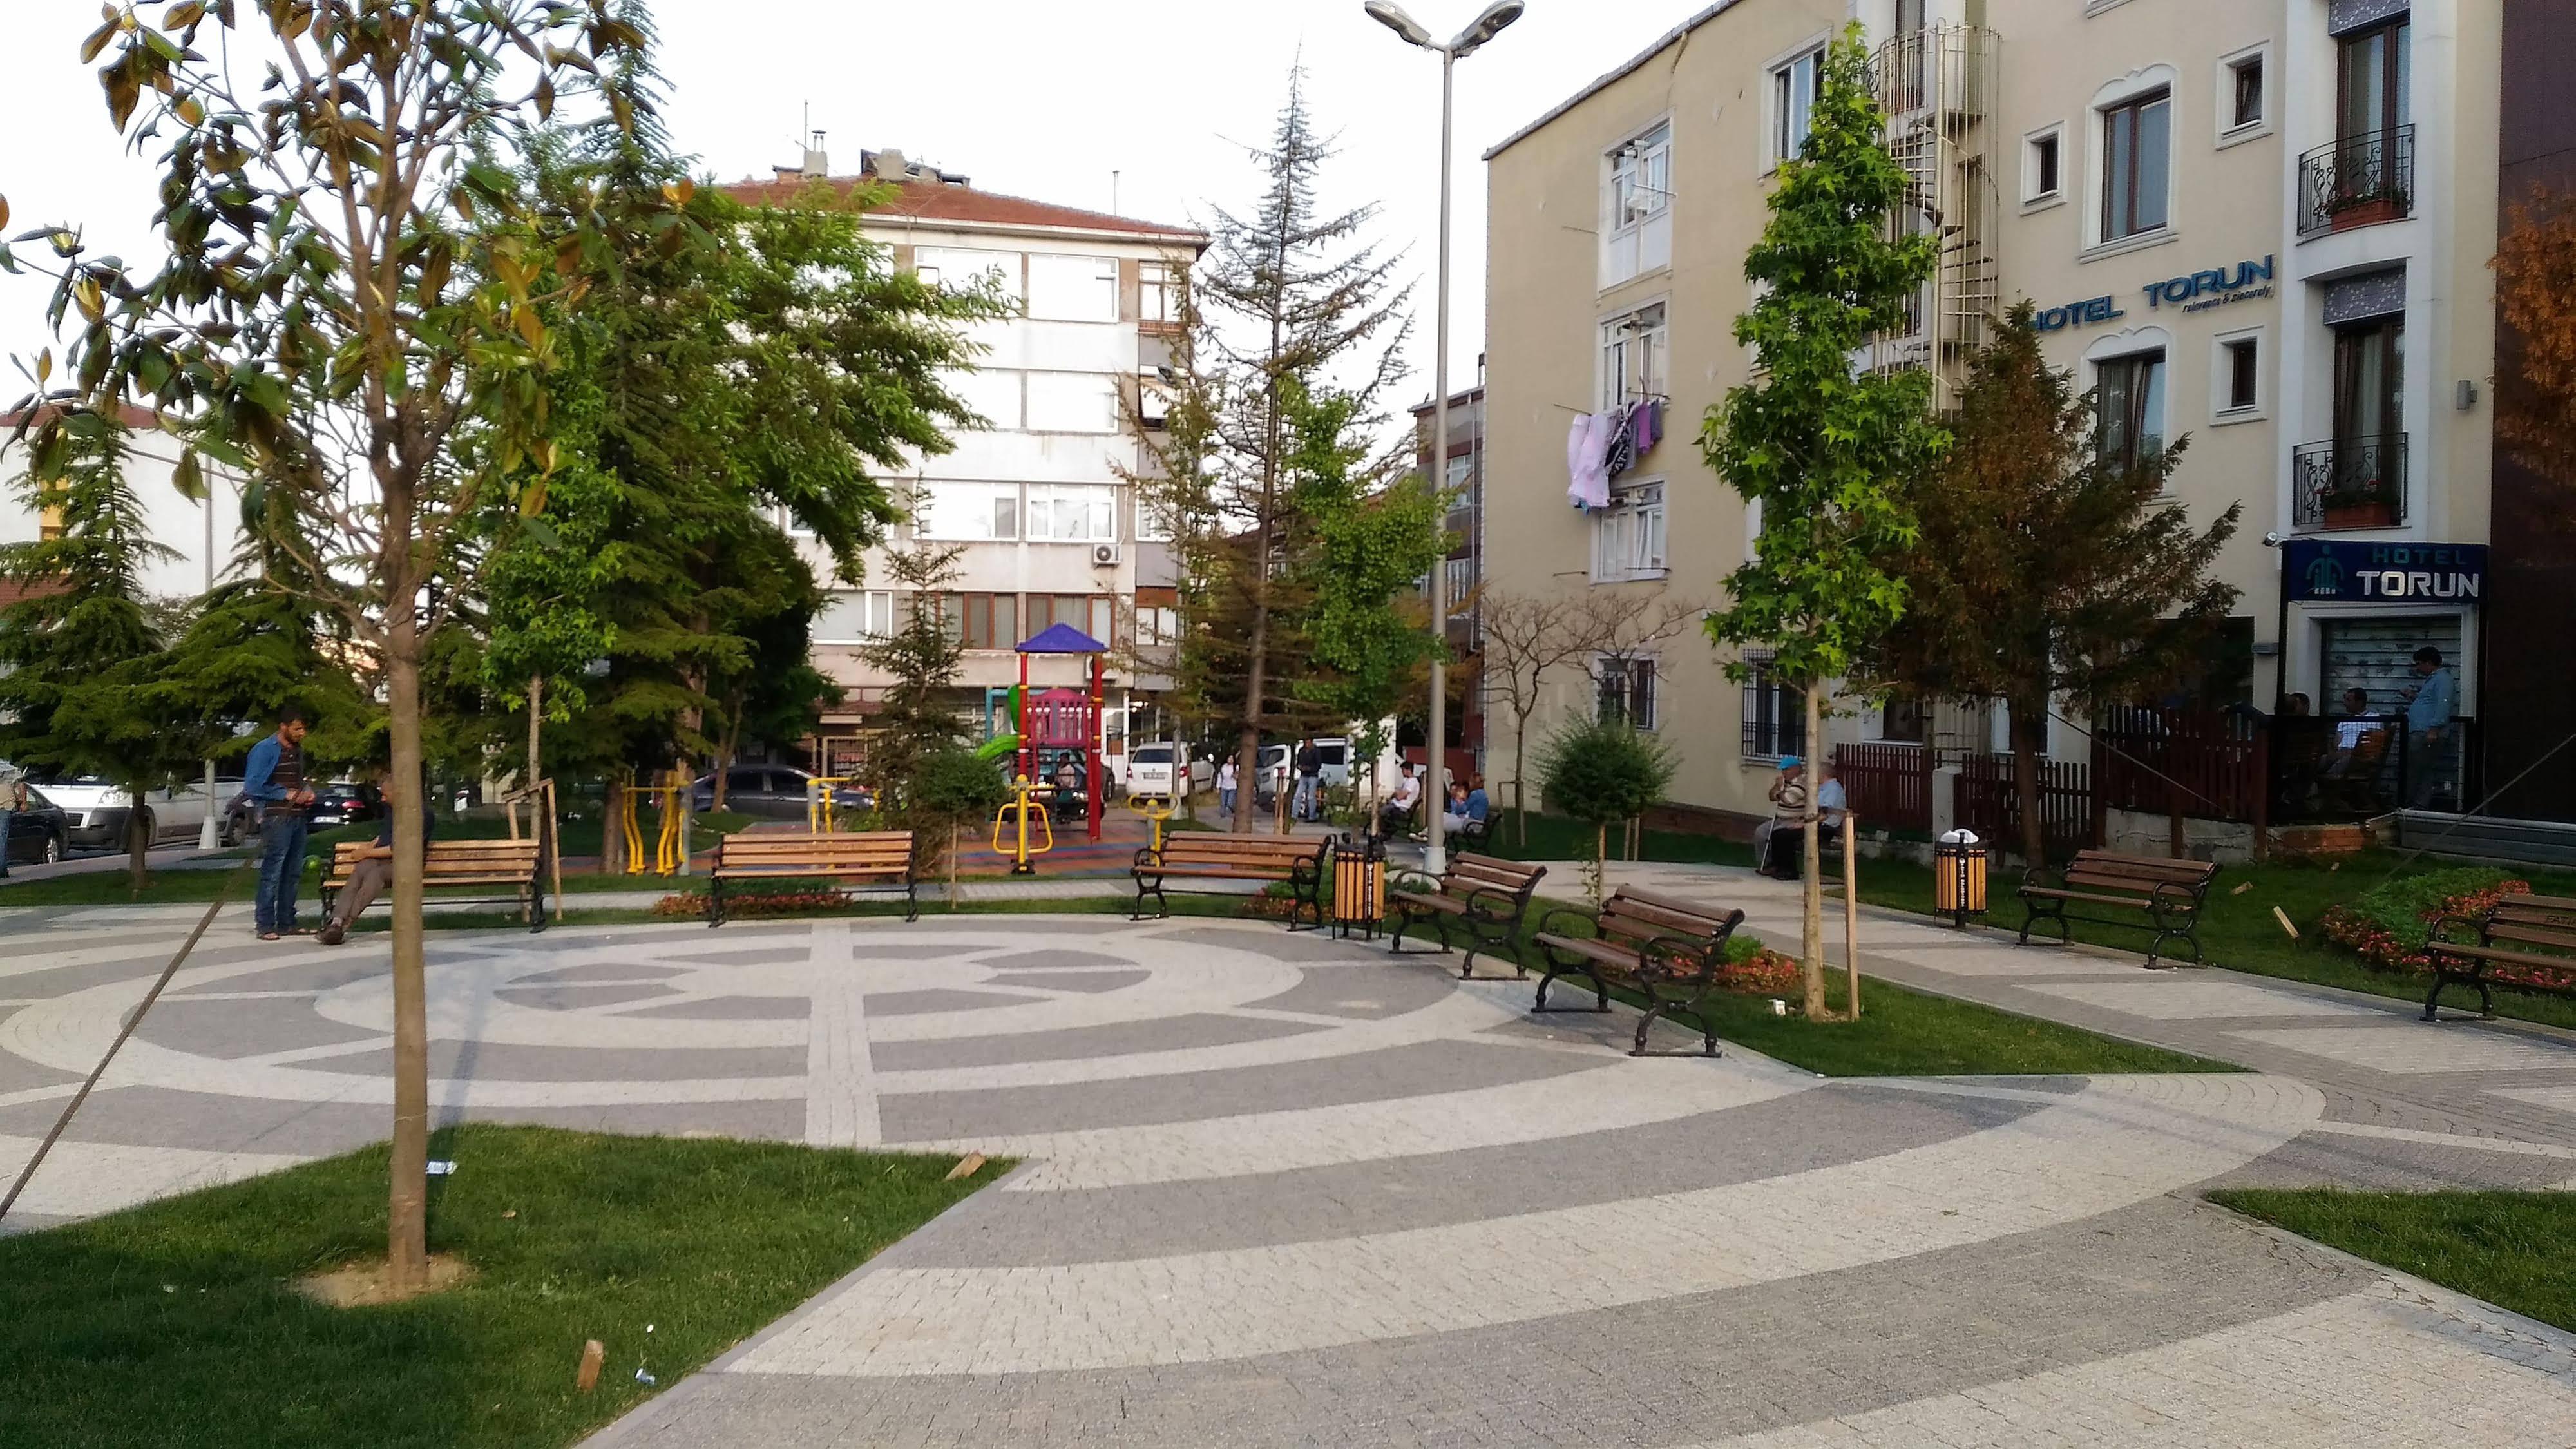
(1054, 722)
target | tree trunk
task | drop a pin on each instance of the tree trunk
(612, 828)
(536, 723)
(407, 1208)
(1520, 790)
(1812, 917)
(2029, 733)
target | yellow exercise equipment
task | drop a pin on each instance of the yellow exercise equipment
(671, 842)
(818, 801)
(1157, 808)
(1016, 816)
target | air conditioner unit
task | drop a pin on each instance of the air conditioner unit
(1104, 555)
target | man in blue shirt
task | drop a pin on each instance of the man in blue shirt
(273, 778)
(2430, 707)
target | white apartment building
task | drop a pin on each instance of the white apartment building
(204, 536)
(1050, 533)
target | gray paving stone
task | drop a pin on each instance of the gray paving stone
(159, 1117)
(1162, 1033)
(1069, 980)
(1361, 995)
(243, 1028)
(731, 1008)
(618, 971)
(501, 1062)
(1051, 960)
(919, 1003)
(752, 1121)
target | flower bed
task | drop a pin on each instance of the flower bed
(2389, 924)
(756, 903)
(1756, 970)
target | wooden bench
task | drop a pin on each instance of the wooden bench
(1670, 950)
(2537, 932)
(1486, 897)
(2168, 892)
(878, 858)
(457, 864)
(1209, 855)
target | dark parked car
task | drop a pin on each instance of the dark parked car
(345, 802)
(774, 792)
(39, 834)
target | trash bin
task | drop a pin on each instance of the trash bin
(1959, 876)
(1359, 884)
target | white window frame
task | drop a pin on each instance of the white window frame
(1779, 96)
(1151, 524)
(1107, 387)
(1099, 282)
(2032, 198)
(934, 265)
(1635, 343)
(876, 609)
(985, 495)
(1632, 538)
(2129, 344)
(1158, 292)
(1098, 510)
(2096, 161)
(1635, 225)
(2229, 133)
(964, 382)
(2222, 374)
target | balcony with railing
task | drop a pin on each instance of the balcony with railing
(2349, 483)
(2358, 181)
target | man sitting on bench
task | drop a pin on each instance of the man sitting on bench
(375, 874)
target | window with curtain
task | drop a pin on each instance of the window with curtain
(1633, 353)
(854, 616)
(959, 268)
(1072, 513)
(1793, 103)
(2372, 73)
(1628, 536)
(2137, 161)
(2129, 408)
(969, 512)
(983, 621)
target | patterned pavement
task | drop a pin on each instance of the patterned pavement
(1280, 1190)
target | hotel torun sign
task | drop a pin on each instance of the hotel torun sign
(2195, 292)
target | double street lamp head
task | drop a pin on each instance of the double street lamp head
(1486, 26)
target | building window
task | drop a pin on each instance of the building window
(2245, 92)
(1072, 513)
(983, 621)
(957, 269)
(1633, 351)
(2137, 156)
(1628, 536)
(1626, 689)
(1073, 289)
(993, 395)
(1072, 402)
(1086, 612)
(1157, 624)
(1153, 521)
(2041, 166)
(854, 616)
(1900, 721)
(968, 512)
(2369, 382)
(1641, 178)
(1793, 104)
(2371, 80)
(1775, 715)
(1153, 398)
(2129, 404)
(2243, 368)
(1158, 293)
(1459, 579)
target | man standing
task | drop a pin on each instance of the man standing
(273, 778)
(1310, 781)
(13, 786)
(2430, 706)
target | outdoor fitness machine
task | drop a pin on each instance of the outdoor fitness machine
(671, 846)
(1014, 817)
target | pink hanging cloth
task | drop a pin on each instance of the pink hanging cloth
(1587, 446)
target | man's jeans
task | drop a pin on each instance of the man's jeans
(5, 822)
(1309, 789)
(281, 869)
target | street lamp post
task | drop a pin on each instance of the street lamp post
(1435, 856)
(210, 829)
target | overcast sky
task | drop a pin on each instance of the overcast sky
(1043, 100)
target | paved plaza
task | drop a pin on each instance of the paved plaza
(1282, 1190)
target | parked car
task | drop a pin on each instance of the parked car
(96, 810)
(39, 834)
(774, 792)
(1150, 769)
(346, 802)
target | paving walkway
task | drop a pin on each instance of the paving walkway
(1282, 1190)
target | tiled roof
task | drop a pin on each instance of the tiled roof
(932, 201)
(12, 591)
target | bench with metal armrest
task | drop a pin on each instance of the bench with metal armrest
(1209, 855)
(453, 865)
(2167, 893)
(878, 859)
(1669, 950)
(1485, 898)
(2531, 938)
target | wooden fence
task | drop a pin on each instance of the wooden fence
(1888, 786)
(2205, 765)
(1983, 799)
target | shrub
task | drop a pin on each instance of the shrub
(1601, 771)
(2387, 925)
(1754, 969)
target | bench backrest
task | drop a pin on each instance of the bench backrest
(1208, 847)
(452, 858)
(1634, 916)
(2103, 870)
(1469, 872)
(2547, 922)
(782, 850)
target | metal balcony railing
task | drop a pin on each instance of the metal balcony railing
(2350, 483)
(2357, 181)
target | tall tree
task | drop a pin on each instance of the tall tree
(334, 308)
(2535, 266)
(80, 657)
(2044, 570)
(1824, 449)
(1304, 302)
(920, 717)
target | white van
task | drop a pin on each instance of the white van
(97, 810)
(1150, 769)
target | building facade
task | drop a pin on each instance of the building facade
(203, 537)
(1037, 501)
(2263, 225)
(1463, 475)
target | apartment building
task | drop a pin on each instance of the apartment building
(1463, 475)
(2260, 224)
(201, 537)
(1049, 531)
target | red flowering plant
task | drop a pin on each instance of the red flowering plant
(2389, 925)
(756, 903)
(1756, 970)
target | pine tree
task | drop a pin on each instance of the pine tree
(2045, 571)
(919, 716)
(1824, 450)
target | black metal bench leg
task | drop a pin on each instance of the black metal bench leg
(715, 903)
(911, 900)
(2486, 1001)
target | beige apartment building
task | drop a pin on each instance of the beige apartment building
(2260, 224)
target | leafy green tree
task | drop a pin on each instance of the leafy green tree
(952, 789)
(1824, 450)
(80, 658)
(919, 718)
(2044, 570)
(1601, 771)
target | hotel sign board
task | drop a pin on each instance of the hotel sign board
(2328, 571)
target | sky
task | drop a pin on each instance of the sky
(1034, 99)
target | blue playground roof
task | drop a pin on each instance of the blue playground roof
(1062, 639)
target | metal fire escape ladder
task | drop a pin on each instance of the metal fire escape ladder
(1935, 87)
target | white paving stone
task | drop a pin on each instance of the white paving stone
(82, 1178)
(2556, 1099)
(2174, 997)
(2409, 1047)
(2363, 1369)
(2120, 1140)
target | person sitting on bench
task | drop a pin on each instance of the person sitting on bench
(375, 874)
(1395, 817)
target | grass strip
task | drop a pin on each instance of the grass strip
(174, 1323)
(2509, 1248)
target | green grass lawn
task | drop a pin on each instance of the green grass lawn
(2509, 1248)
(172, 1324)
(1555, 837)
(2238, 931)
